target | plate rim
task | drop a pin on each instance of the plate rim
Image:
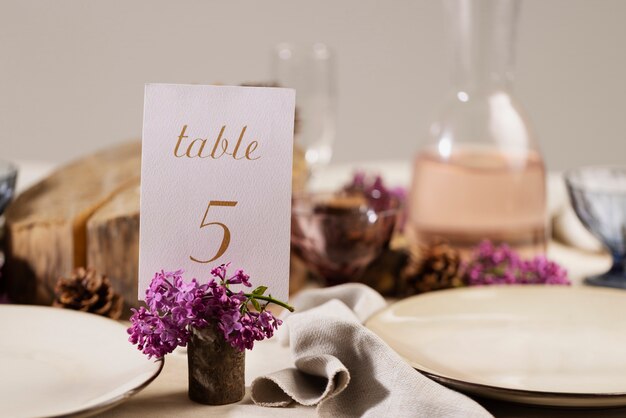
(105, 404)
(516, 395)
(113, 402)
(597, 400)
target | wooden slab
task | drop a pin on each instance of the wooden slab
(113, 242)
(46, 225)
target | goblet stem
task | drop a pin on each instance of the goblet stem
(615, 277)
(619, 265)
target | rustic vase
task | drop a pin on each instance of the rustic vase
(216, 369)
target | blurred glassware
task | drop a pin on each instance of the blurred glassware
(310, 69)
(338, 235)
(8, 177)
(481, 174)
(598, 195)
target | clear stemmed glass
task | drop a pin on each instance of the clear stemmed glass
(310, 69)
(598, 195)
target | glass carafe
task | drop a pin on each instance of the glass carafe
(480, 174)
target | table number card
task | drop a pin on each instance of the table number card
(216, 182)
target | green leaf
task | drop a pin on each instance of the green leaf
(259, 290)
(256, 304)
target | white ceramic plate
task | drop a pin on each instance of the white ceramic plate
(544, 345)
(57, 362)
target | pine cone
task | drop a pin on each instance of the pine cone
(433, 267)
(88, 291)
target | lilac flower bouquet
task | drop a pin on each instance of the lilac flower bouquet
(175, 307)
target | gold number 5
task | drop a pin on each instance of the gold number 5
(225, 238)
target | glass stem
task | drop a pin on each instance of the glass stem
(619, 264)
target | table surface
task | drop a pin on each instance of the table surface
(167, 395)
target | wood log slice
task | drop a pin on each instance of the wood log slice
(113, 243)
(46, 224)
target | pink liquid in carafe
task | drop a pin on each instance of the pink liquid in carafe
(477, 194)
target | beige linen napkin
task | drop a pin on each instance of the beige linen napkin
(348, 371)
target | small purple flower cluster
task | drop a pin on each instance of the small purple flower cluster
(175, 306)
(378, 195)
(491, 264)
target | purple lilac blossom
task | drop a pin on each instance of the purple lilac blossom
(499, 264)
(174, 306)
(374, 189)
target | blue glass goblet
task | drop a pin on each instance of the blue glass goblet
(598, 195)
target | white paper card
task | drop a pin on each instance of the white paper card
(216, 182)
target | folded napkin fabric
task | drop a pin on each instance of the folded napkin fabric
(348, 371)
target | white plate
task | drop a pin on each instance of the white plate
(59, 362)
(543, 345)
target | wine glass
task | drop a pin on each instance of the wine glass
(310, 69)
(598, 195)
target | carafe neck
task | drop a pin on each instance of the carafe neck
(482, 36)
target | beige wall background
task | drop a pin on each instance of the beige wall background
(72, 71)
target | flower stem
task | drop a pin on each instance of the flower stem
(271, 300)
